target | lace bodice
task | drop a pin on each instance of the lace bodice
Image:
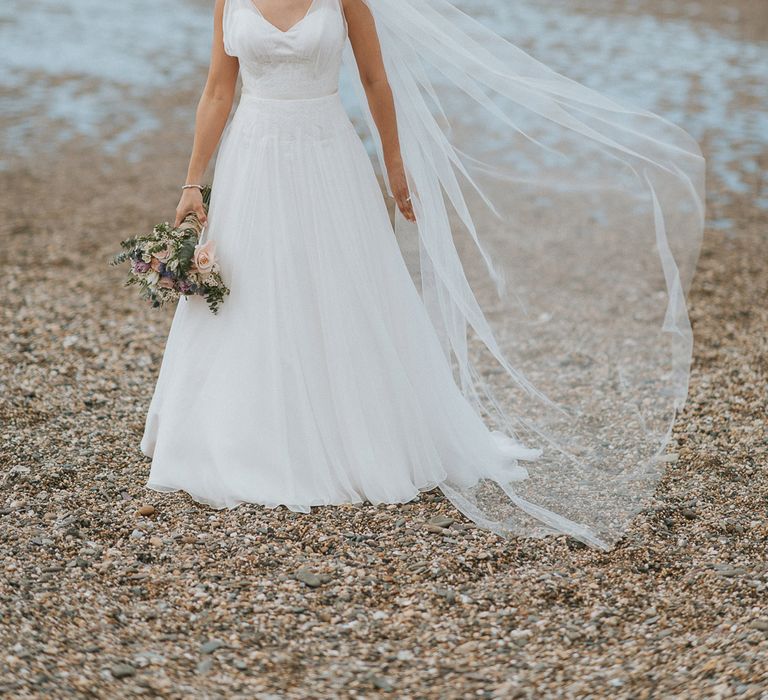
(302, 62)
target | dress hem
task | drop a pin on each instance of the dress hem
(219, 505)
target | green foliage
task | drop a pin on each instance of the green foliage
(186, 253)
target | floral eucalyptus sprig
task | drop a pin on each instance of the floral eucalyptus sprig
(170, 263)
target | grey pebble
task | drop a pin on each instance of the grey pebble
(309, 578)
(211, 645)
(382, 683)
(122, 671)
(205, 665)
(442, 521)
(729, 571)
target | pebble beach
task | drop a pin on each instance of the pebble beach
(112, 591)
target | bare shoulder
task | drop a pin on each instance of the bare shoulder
(356, 11)
(355, 6)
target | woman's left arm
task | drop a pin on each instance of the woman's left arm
(370, 64)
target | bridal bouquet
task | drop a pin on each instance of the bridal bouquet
(171, 262)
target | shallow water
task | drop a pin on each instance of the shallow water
(88, 65)
(710, 84)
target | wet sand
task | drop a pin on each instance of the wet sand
(742, 19)
(98, 601)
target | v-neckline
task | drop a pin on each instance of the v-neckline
(274, 26)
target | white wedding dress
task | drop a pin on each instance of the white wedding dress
(556, 237)
(321, 380)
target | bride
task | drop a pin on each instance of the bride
(327, 378)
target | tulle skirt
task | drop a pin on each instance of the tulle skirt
(321, 380)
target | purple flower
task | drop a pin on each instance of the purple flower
(140, 266)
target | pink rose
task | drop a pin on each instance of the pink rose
(165, 283)
(205, 256)
(154, 263)
(164, 255)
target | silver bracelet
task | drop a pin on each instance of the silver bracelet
(192, 187)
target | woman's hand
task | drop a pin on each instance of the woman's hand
(191, 201)
(399, 187)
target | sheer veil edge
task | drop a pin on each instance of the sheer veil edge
(557, 233)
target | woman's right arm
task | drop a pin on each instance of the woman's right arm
(212, 113)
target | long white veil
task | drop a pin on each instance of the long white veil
(557, 233)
